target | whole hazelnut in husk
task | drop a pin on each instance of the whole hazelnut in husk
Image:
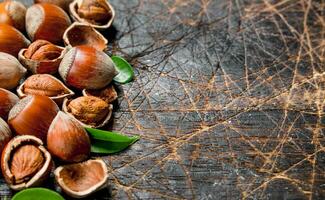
(11, 71)
(82, 179)
(90, 111)
(67, 139)
(42, 57)
(84, 67)
(47, 22)
(25, 162)
(11, 40)
(13, 13)
(33, 115)
(7, 101)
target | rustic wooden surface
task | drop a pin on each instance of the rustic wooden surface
(228, 98)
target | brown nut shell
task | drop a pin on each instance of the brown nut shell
(92, 13)
(67, 139)
(13, 14)
(25, 162)
(11, 40)
(5, 134)
(33, 115)
(42, 65)
(85, 67)
(107, 94)
(46, 85)
(47, 22)
(82, 179)
(84, 34)
(90, 111)
(64, 4)
(11, 71)
(7, 101)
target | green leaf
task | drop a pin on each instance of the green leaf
(109, 142)
(125, 70)
(37, 194)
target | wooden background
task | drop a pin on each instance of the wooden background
(228, 98)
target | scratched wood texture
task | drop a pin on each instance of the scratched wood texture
(228, 98)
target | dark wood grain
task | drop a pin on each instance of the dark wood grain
(228, 98)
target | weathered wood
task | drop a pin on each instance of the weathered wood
(228, 98)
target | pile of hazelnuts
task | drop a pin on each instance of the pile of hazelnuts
(55, 80)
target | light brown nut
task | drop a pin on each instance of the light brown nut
(45, 85)
(89, 110)
(25, 162)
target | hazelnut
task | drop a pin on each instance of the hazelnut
(82, 179)
(89, 111)
(5, 134)
(11, 71)
(11, 40)
(94, 11)
(97, 13)
(83, 34)
(64, 4)
(42, 50)
(25, 162)
(22, 166)
(33, 115)
(42, 57)
(67, 139)
(13, 13)
(7, 101)
(107, 94)
(45, 84)
(47, 22)
(85, 67)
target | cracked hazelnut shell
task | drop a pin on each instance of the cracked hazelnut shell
(42, 57)
(25, 162)
(11, 40)
(84, 67)
(90, 111)
(47, 22)
(46, 85)
(67, 139)
(99, 14)
(84, 34)
(33, 115)
(13, 13)
(82, 179)
(11, 71)
(7, 101)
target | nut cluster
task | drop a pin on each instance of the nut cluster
(42, 123)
